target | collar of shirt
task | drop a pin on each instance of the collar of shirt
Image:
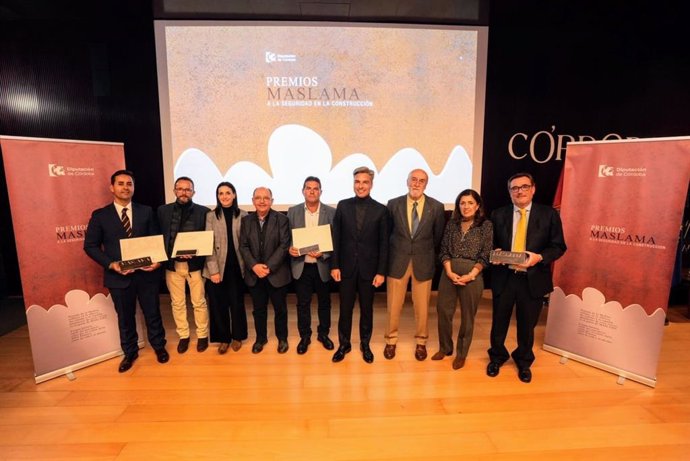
(119, 208)
(516, 209)
(318, 209)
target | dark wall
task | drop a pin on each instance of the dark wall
(562, 70)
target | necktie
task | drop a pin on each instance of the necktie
(415, 219)
(519, 242)
(125, 223)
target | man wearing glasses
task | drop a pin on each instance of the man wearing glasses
(536, 230)
(183, 215)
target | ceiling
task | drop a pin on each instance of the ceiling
(470, 12)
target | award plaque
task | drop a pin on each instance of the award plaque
(507, 257)
(132, 264)
(308, 249)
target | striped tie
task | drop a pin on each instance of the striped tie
(125, 223)
(520, 240)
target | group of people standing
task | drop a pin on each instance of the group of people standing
(399, 244)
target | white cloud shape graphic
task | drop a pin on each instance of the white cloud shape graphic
(295, 152)
(622, 338)
(71, 336)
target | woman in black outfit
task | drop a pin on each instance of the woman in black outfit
(224, 270)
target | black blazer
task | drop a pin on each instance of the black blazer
(365, 251)
(276, 245)
(195, 222)
(544, 236)
(102, 241)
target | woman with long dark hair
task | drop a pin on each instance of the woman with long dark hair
(467, 241)
(224, 270)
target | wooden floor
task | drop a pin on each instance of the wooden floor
(290, 407)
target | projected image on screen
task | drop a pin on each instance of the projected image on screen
(268, 105)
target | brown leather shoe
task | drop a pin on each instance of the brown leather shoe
(420, 352)
(440, 355)
(223, 348)
(458, 362)
(236, 345)
(389, 351)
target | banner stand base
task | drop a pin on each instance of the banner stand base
(622, 374)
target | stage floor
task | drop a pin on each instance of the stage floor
(304, 407)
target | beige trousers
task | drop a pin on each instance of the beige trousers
(176, 286)
(396, 291)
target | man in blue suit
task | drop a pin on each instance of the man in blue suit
(535, 229)
(107, 226)
(312, 271)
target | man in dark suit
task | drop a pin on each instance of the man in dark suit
(360, 256)
(536, 230)
(264, 243)
(312, 271)
(107, 226)
(183, 215)
(417, 223)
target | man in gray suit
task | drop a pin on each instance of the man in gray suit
(311, 271)
(264, 243)
(417, 223)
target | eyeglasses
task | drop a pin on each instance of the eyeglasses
(523, 188)
(186, 191)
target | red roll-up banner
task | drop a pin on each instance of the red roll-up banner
(622, 207)
(53, 187)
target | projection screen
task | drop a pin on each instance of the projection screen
(267, 104)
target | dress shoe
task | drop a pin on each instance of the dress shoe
(258, 347)
(223, 348)
(202, 344)
(303, 345)
(326, 341)
(389, 351)
(183, 345)
(367, 355)
(162, 355)
(127, 363)
(235, 345)
(493, 368)
(440, 355)
(459, 362)
(525, 375)
(283, 346)
(340, 353)
(420, 352)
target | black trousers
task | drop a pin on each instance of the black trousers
(309, 283)
(527, 311)
(228, 318)
(350, 288)
(125, 301)
(261, 293)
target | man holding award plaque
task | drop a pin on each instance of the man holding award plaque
(529, 237)
(185, 264)
(311, 267)
(124, 219)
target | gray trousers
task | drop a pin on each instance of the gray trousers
(448, 296)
